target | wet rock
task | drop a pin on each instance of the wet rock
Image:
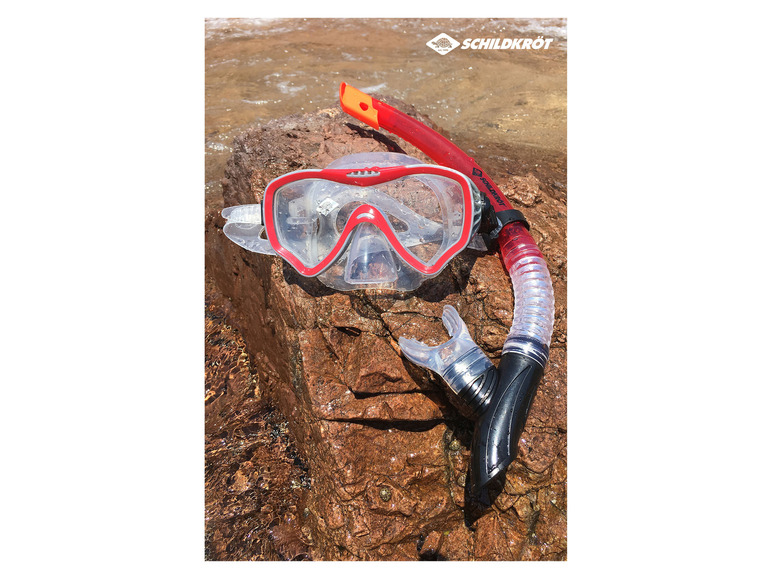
(524, 191)
(254, 477)
(431, 545)
(384, 454)
(494, 540)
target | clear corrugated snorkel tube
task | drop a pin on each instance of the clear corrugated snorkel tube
(534, 312)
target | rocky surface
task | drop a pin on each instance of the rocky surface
(255, 478)
(374, 459)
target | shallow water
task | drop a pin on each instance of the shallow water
(507, 108)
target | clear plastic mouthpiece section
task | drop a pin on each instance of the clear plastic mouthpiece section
(459, 361)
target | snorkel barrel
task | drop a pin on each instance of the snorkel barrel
(498, 398)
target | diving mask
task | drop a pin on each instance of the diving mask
(368, 220)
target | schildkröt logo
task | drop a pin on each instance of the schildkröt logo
(443, 43)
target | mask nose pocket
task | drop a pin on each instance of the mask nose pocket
(370, 259)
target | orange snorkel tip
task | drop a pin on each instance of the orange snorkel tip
(359, 105)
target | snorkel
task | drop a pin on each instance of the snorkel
(497, 398)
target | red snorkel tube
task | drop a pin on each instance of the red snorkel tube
(499, 399)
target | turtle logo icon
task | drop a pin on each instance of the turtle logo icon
(443, 43)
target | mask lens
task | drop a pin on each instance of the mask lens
(300, 213)
(425, 212)
(435, 218)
